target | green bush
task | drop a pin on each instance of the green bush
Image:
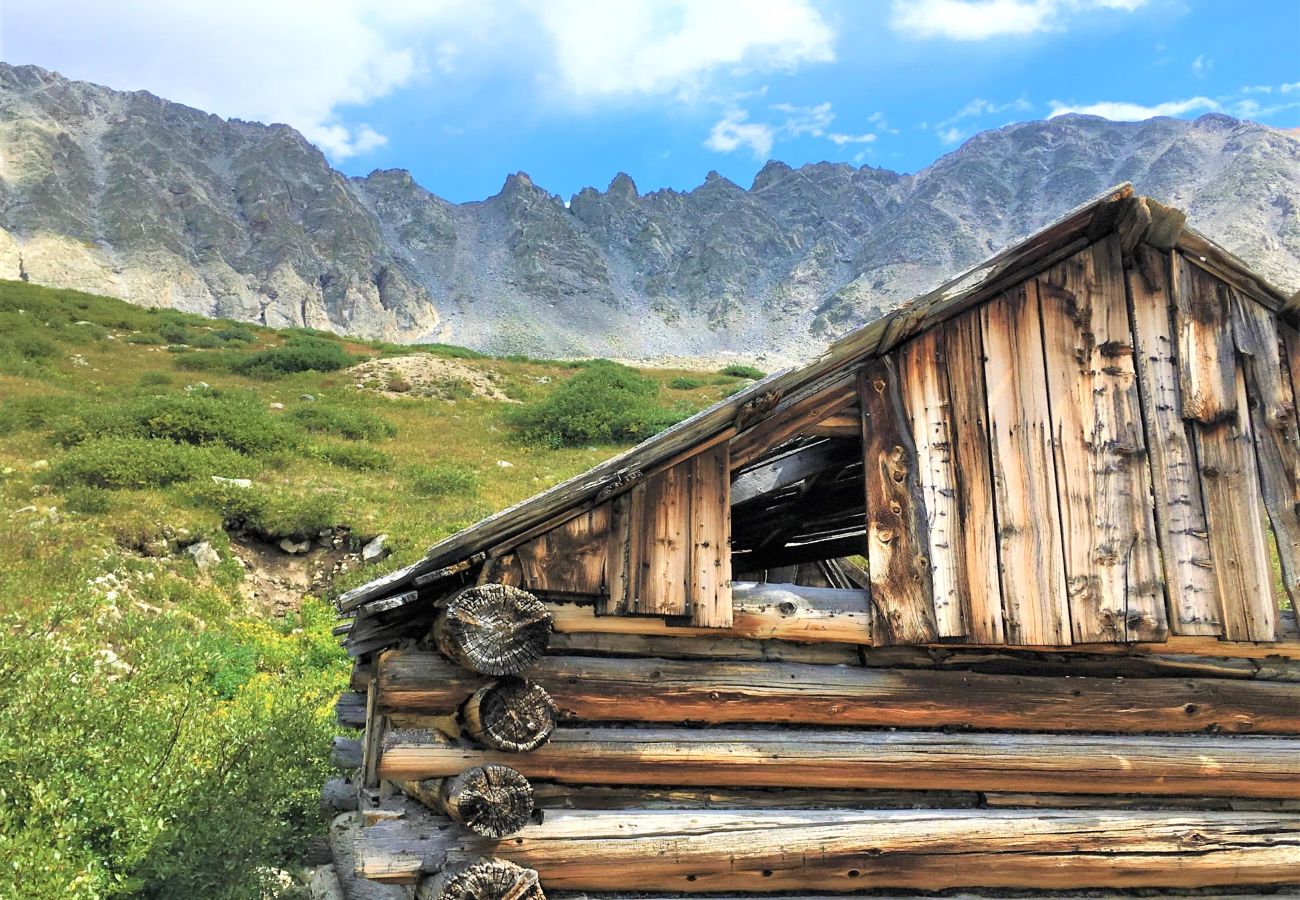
(743, 372)
(235, 420)
(131, 462)
(89, 500)
(443, 479)
(39, 412)
(155, 379)
(271, 514)
(298, 354)
(605, 403)
(446, 351)
(207, 341)
(174, 333)
(144, 337)
(684, 383)
(345, 421)
(357, 457)
(235, 334)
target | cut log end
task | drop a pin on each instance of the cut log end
(493, 629)
(514, 715)
(484, 879)
(492, 801)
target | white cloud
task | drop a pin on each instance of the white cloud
(978, 20)
(950, 135)
(734, 131)
(1202, 65)
(948, 130)
(1293, 87)
(301, 62)
(840, 140)
(802, 120)
(671, 46)
(1133, 112)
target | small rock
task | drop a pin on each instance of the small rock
(277, 406)
(310, 398)
(503, 464)
(204, 555)
(154, 549)
(40, 465)
(198, 386)
(375, 550)
(236, 482)
(289, 545)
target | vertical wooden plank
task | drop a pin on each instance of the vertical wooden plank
(897, 544)
(620, 567)
(710, 551)
(1109, 543)
(923, 374)
(1206, 363)
(977, 572)
(570, 558)
(503, 570)
(1180, 510)
(1035, 607)
(1273, 425)
(660, 538)
(1234, 511)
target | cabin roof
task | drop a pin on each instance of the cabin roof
(1116, 211)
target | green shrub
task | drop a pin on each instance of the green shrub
(144, 337)
(357, 457)
(298, 354)
(131, 462)
(207, 341)
(235, 420)
(446, 351)
(272, 514)
(443, 479)
(174, 333)
(604, 403)
(39, 412)
(235, 334)
(83, 498)
(684, 383)
(155, 379)
(345, 421)
(743, 372)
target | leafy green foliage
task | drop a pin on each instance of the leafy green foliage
(86, 499)
(743, 372)
(357, 457)
(130, 462)
(271, 514)
(442, 479)
(685, 383)
(232, 419)
(604, 403)
(351, 422)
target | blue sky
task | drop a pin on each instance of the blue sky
(462, 92)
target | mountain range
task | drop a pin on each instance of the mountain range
(130, 195)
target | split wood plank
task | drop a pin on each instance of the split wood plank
(1034, 599)
(977, 570)
(1207, 365)
(626, 512)
(790, 420)
(1273, 426)
(1234, 511)
(660, 543)
(569, 558)
(923, 373)
(1108, 535)
(898, 546)
(710, 538)
(661, 690)
(1195, 765)
(850, 850)
(1179, 507)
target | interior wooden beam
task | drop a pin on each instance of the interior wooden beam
(660, 690)
(1070, 764)
(705, 851)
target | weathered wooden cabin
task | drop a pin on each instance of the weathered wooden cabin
(996, 594)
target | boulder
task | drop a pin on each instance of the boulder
(375, 550)
(205, 556)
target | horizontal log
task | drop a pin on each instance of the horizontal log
(843, 850)
(553, 795)
(345, 753)
(659, 690)
(1070, 764)
(350, 709)
(668, 646)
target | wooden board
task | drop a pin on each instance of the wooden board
(1034, 599)
(898, 545)
(620, 569)
(1194, 765)
(569, 558)
(1109, 543)
(710, 538)
(699, 851)
(660, 541)
(661, 690)
(1273, 426)
(923, 374)
(977, 571)
(1234, 511)
(1179, 508)
(1206, 361)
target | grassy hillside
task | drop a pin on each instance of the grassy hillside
(164, 723)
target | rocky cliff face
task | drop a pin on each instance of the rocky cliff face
(129, 195)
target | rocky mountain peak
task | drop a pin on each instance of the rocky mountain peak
(129, 195)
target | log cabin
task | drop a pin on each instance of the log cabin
(997, 594)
